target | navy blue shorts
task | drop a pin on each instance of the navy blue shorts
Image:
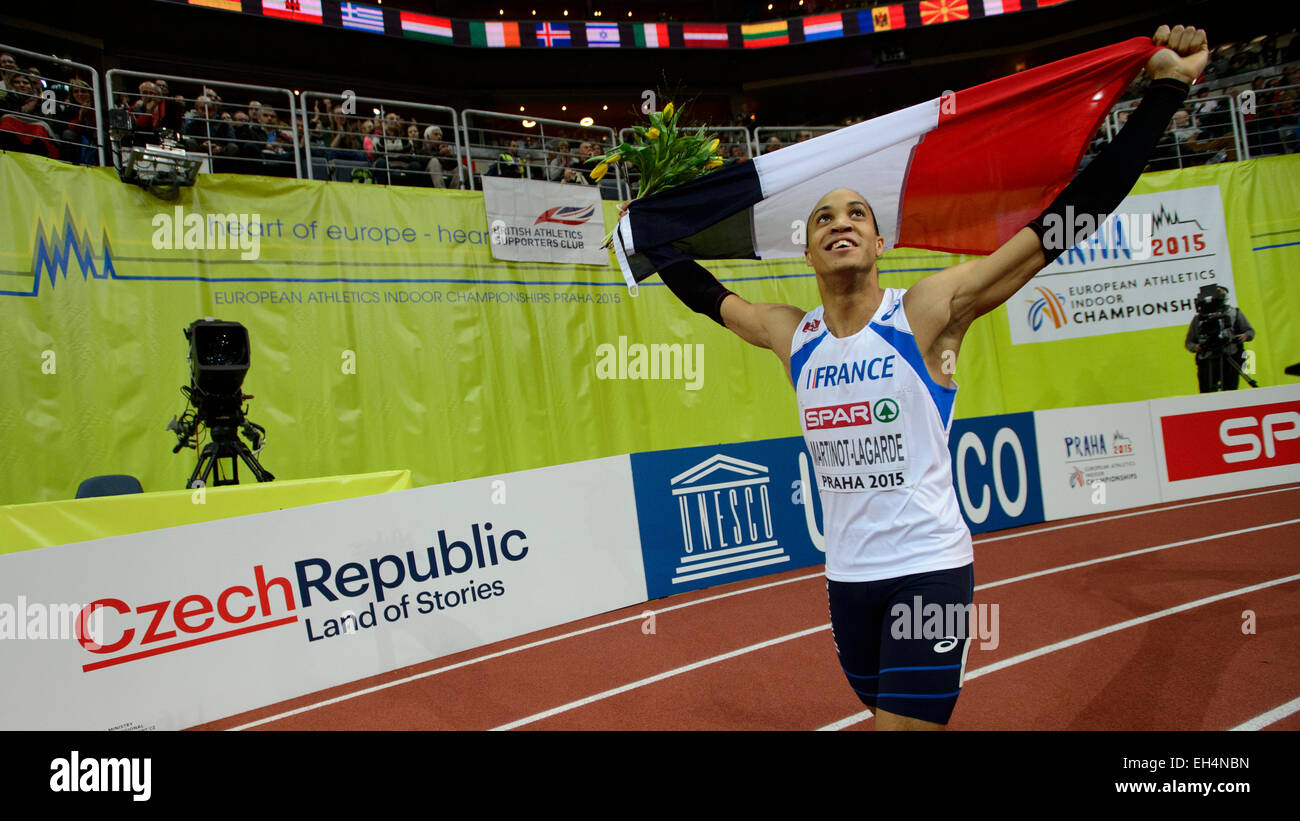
(902, 642)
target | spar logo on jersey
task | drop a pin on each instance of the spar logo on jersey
(838, 416)
(1046, 307)
(567, 214)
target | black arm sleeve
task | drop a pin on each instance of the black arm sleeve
(696, 288)
(1104, 183)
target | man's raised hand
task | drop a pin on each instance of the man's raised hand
(1184, 57)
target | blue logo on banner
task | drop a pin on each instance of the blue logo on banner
(995, 471)
(718, 514)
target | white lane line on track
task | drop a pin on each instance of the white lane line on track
(510, 650)
(639, 617)
(1130, 553)
(1160, 509)
(582, 702)
(1124, 625)
(1273, 716)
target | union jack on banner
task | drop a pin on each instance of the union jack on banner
(567, 214)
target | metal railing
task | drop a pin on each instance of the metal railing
(392, 149)
(771, 138)
(499, 144)
(58, 116)
(258, 135)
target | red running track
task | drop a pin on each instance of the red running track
(1130, 620)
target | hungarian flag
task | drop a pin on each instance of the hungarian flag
(962, 173)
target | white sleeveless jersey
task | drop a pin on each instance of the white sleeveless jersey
(876, 425)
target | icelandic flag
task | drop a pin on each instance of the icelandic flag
(962, 173)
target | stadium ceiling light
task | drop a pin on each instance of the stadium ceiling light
(529, 123)
(564, 108)
(521, 108)
(769, 6)
(586, 121)
(604, 108)
(566, 12)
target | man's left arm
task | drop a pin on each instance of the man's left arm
(1242, 327)
(941, 307)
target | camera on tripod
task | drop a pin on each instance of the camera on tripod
(1213, 321)
(219, 360)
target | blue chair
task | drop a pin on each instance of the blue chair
(114, 485)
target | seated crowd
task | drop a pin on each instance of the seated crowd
(56, 117)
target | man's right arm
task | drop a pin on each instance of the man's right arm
(764, 324)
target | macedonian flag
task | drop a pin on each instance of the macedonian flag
(943, 11)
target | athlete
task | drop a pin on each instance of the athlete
(871, 370)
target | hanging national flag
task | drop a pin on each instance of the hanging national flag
(602, 35)
(426, 27)
(650, 35)
(304, 11)
(1042, 3)
(224, 5)
(496, 35)
(992, 7)
(705, 35)
(823, 27)
(943, 11)
(761, 35)
(888, 18)
(362, 18)
(553, 35)
(962, 173)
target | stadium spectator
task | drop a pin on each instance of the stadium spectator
(773, 144)
(8, 68)
(442, 168)
(345, 140)
(509, 162)
(150, 110)
(563, 167)
(79, 132)
(22, 128)
(207, 133)
(274, 143)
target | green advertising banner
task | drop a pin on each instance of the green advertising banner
(385, 336)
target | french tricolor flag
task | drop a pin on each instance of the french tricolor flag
(961, 173)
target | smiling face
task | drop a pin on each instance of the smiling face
(842, 235)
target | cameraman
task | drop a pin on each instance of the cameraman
(1215, 336)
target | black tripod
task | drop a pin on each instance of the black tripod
(225, 444)
(1214, 368)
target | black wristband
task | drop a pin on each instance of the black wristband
(696, 288)
(1106, 181)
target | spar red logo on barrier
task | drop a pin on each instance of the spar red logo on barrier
(1209, 443)
(136, 631)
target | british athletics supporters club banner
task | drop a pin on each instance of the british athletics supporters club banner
(173, 628)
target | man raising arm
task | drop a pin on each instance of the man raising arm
(876, 405)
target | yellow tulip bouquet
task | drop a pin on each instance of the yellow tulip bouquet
(665, 155)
